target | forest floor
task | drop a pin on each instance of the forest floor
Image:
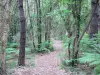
(45, 64)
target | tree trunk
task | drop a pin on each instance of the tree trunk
(48, 25)
(38, 6)
(94, 23)
(31, 27)
(21, 60)
(99, 15)
(4, 25)
(77, 16)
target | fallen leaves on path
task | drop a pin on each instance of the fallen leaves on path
(46, 64)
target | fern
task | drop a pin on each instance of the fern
(91, 49)
(89, 58)
(8, 57)
(45, 47)
(11, 50)
(96, 62)
(13, 45)
(97, 70)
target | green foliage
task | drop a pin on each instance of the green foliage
(11, 50)
(91, 52)
(8, 57)
(27, 50)
(12, 56)
(68, 40)
(13, 45)
(11, 53)
(90, 45)
(12, 64)
(66, 1)
(91, 58)
(61, 14)
(97, 70)
(45, 47)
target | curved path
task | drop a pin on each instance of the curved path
(46, 64)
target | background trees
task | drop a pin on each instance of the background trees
(40, 21)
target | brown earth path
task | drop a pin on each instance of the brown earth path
(46, 64)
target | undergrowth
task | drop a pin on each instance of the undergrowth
(12, 53)
(89, 53)
(45, 47)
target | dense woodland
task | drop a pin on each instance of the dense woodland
(29, 28)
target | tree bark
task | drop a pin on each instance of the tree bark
(4, 24)
(39, 29)
(48, 25)
(21, 59)
(31, 27)
(77, 16)
(93, 29)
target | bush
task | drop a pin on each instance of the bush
(13, 45)
(91, 52)
(45, 47)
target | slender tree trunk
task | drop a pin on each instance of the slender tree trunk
(21, 60)
(38, 6)
(77, 16)
(94, 23)
(48, 26)
(48, 29)
(31, 26)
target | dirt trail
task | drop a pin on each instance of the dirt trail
(46, 64)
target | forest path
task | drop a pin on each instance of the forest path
(46, 64)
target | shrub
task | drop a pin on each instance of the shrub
(13, 45)
(45, 47)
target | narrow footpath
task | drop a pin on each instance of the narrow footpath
(46, 64)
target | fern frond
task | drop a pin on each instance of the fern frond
(89, 57)
(94, 63)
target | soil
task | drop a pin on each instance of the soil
(45, 64)
(49, 64)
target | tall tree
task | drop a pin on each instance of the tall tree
(39, 29)
(48, 24)
(95, 18)
(4, 25)
(77, 16)
(21, 60)
(31, 32)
